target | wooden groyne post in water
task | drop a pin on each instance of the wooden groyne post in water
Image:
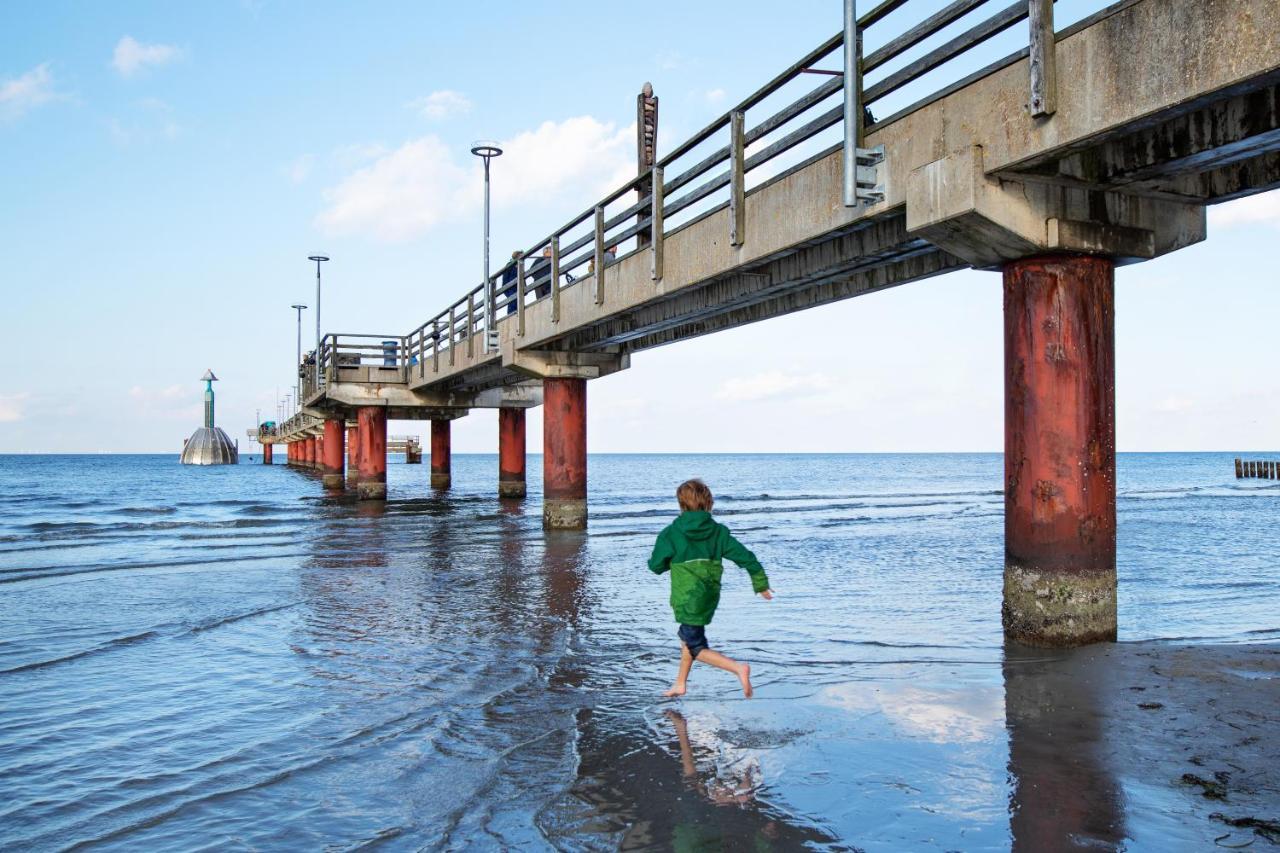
(1264, 470)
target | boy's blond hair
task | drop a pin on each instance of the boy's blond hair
(694, 495)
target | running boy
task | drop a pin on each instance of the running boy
(691, 547)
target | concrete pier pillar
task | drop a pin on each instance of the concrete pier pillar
(1060, 492)
(564, 453)
(331, 462)
(353, 456)
(266, 454)
(373, 453)
(309, 451)
(441, 451)
(511, 453)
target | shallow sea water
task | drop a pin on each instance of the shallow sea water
(228, 658)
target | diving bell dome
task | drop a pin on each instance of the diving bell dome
(209, 445)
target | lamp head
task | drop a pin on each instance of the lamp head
(298, 307)
(317, 258)
(486, 148)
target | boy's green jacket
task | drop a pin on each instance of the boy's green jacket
(692, 547)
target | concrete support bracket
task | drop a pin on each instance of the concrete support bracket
(556, 364)
(989, 221)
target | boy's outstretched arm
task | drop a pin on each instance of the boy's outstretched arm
(662, 554)
(742, 556)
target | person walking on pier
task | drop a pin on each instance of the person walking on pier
(691, 548)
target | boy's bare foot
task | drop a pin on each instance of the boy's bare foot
(676, 690)
(744, 675)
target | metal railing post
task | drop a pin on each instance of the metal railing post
(852, 108)
(555, 279)
(737, 179)
(655, 226)
(1044, 74)
(599, 274)
(471, 324)
(519, 259)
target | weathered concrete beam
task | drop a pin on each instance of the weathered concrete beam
(881, 277)
(555, 364)
(954, 204)
(1158, 160)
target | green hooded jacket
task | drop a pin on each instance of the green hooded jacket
(691, 547)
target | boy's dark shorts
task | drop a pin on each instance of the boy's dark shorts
(695, 638)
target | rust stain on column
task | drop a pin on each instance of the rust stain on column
(441, 451)
(1060, 494)
(331, 464)
(353, 456)
(373, 453)
(564, 453)
(511, 453)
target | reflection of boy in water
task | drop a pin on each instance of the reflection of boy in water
(722, 792)
(691, 548)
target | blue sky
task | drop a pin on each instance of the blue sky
(166, 169)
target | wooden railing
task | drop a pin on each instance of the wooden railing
(715, 167)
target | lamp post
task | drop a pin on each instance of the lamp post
(487, 150)
(319, 259)
(299, 307)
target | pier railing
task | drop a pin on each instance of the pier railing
(781, 127)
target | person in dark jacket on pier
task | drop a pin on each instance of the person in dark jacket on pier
(509, 278)
(691, 548)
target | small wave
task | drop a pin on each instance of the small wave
(107, 646)
(240, 617)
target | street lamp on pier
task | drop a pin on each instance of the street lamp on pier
(319, 259)
(487, 150)
(299, 307)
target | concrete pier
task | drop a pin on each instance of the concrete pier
(353, 456)
(266, 454)
(331, 463)
(441, 452)
(511, 453)
(1060, 464)
(564, 453)
(309, 449)
(1098, 144)
(373, 453)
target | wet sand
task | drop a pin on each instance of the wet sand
(1145, 745)
(1133, 746)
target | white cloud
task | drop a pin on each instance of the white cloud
(715, 96)
(401, 195)
(131, 55)
(406, 192)
(20, 94)
(1251, 210)
(13, 407)
(772, 384)
(300, 169)
(441, 105)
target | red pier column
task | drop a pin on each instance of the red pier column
(1059, 451)
(511, 452)
(564, 453)
(266, 453)
(331, 463)
(441, 451)
(373, 453)
(353, 456)
(309, 449)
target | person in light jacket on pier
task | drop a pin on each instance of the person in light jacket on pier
(691, 548)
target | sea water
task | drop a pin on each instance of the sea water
(229, 658)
